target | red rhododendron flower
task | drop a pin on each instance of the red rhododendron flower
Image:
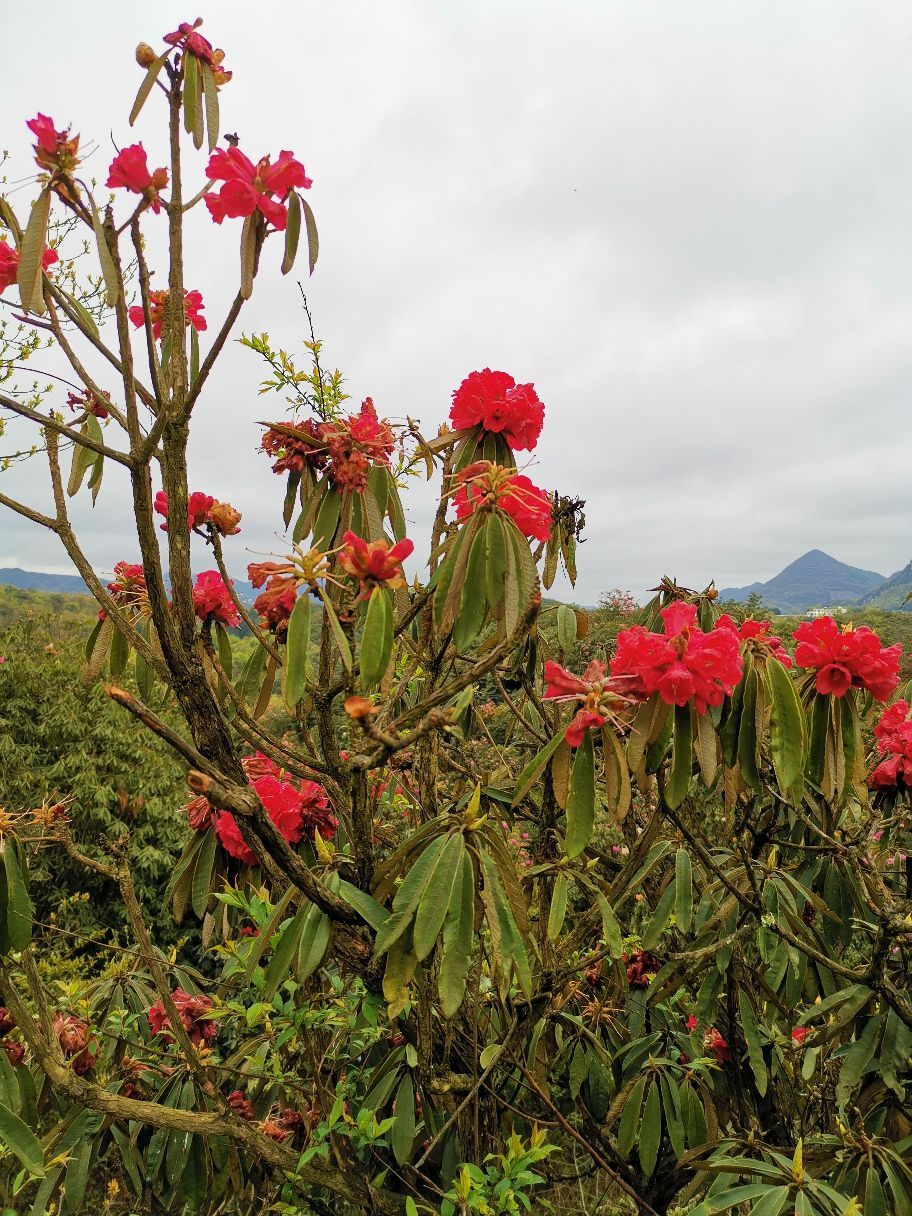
(375, 563)
(894, 740)
(15, 1052)
(158, 305)
(681, 665)
(355, 443)
(642, 968)
(203, 509)
(241, 1106)
(259, 765)
(76, 1042)
(249, 187)
(7, 1021)
(276, 603)
(486, 486)
(9, 264)
(201, 814)
(297, 811)
(212, 601)
(716, 1045)
(87, 402)
(757, 632)
(494, 401)
(187, 39)
(129, 586)
(130, 171)
(291, 453)
(54, 150)
(192, 1011)
(231, 840)
(846, 658)
(599, 694)
(799, 1034)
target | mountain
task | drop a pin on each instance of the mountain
(813, 579)
(891, 593)
(37, 580)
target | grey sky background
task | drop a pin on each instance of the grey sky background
(685, 222)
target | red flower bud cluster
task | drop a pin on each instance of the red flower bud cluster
(374, 563)
(56, 151)
(9, 264)
(129, 170)
(249, 187)
(15, 1052)
(212, 600)
(203, 509)
(894, 740)
(846, 658)
(201, 814)
(799, 1034)
(193, 1012)
(758, 633)
(158, 310)
(496, 403)
(715, 1045)
(682, 664)
(600, 695)
(241, 1106)
(355, 443)
(487, 487)
(76, 1042)
(642, 967)
(87, 402)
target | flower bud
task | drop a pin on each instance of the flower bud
(145, 56)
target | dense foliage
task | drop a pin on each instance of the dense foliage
(477, 913)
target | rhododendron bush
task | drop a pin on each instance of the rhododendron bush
(470, 907)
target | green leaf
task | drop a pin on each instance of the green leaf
(630, 1118)
(772, 1203)
(408, 895)
(22, 1141)
(108, 269)
(679, 774)
(19, 910)
(611, 930)
(225, 652)
(327, 520)
(566, 627)
(252, 676)
(210, 93)
(202, 874)
(856, 1060)
(372, 912)
(473, 599)
(660, 917)
(533, 770)
(292, 232)
(31, 252)
(788, 734)
(285, 949)
(818, 721)
(458, 937)
(651, 1130)
(313, 244)
(752, 1038)
(148, 85)
(508, 942)
(83, 460)
(314, 942)
(496, 560)
(683, 891)
(120, 653)
(337, 631)
(297, 654)
(248, 254)
(376, 638)
(599, 1081)
(190, 65)
(581, 799)
(435, 899)
(558, 909)
(402, 1136)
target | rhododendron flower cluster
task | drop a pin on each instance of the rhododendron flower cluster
(291, 453)
(355, 443)
(158, 308)
(374, 563)
(846, 658)
(682, 664)
(600, 696)
(212, 600)
(757, 632)
(201, 814)
(9, 264)
(76, 1042)
(203, 509)
(484, 487)
(241, 1106)
(55, 150)
(129, 170)
(276, 603)
(186, 38)
(193, 1012)
(494, 401)
(87, 402)
(250, 187)
(894, 740)
(298, 811)
(129, 586)
(715, 1045)
(642, 967)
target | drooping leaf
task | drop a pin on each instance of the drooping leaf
(31, 252)
(313, 244)
(292, 232)
(402, 1135)
(581, 798)
(23, 1142)
(679, 775)
(436, 897)
(19, 911)
(650, 1137)
(297, 653)
(376, 638)
(458, 936)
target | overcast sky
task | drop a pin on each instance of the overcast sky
(685, 222)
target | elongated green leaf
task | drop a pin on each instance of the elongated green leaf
(660, 917)
(285, 950)
(818, 722)
(581, 799)
(788, 735)
(856, 1060)
(435, 899)
(508, 942)
(148, 84)
(458, 936)
(210, 93)
(630, 1118)
(611, 930)
(31, 252)
(120, 653)
(683, 890)
(752, 1038)
(327, 520)
(599, 1082)
(314, 942)
(292, 232)
(106, 261)
(496, 560)
(402, 1135)
(297, 654)
(374, 914)
(408, 895)
(19, 911)
(534, 769)
(248, 255)
(651, 1130)
(376, 638)
(679, 774)
(313, 244)
(566, 627)
(473, 600)
(202, 874)
(190, 98)
(558, 909)
(252, 676)
(225, 652)
(83, 460)
(22, 1141)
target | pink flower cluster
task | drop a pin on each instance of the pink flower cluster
(193, 1012)
(349, 446)
(212, 600)
(894, 741)
(600, 696)
(9, 264)
(496, 403)
(203, 509)
(846, 658)
(757, 632)
(682, 664)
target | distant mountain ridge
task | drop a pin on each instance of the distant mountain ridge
(892, 592)
(72, 584)
(815, 578)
